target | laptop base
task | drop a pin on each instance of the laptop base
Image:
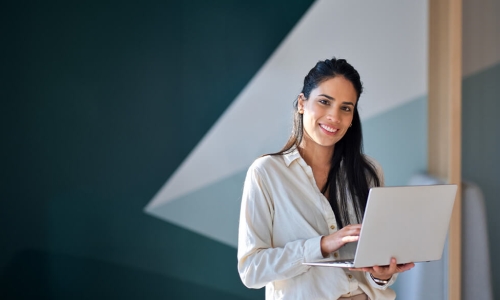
(332, 263)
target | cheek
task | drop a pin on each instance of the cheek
(308, 123)
(349, 119)
(313, 112)
(308, 120)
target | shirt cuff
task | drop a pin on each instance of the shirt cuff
(378, 286)
(312, 250)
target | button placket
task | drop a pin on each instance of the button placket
(323, 201)
(353, 283)
(328, 213)
(309, 173)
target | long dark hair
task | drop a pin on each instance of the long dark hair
(350, 172)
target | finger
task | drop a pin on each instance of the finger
(355, 228)
(406, 267)
(349, 239)
(393, 266)
(353, 225)
(365, 269)
(351, 229)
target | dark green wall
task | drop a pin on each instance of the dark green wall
(101, 102)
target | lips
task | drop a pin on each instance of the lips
(328, 128)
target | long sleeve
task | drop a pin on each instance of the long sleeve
(258, 261)
(380, 287)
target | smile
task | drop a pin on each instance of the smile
(327, 128)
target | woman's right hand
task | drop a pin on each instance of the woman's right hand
(334, 241)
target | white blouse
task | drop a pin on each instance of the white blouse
(283, 217)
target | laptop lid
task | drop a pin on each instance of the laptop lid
(409, 223)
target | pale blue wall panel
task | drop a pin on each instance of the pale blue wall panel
(397, 139)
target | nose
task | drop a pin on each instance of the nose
(334, 115)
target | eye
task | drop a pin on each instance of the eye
(324, 101)
(346, 108)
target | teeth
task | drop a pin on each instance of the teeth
(329, 129)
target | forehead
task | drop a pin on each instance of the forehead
(338, 88)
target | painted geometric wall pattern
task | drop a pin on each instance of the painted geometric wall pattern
(203, 193)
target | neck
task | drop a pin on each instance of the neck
(315, 155)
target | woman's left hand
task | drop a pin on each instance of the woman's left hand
(386, 272)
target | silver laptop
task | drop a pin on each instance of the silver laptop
(409, 223)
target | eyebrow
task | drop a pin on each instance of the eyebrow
(331, 98)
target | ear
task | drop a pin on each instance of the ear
(300, 102)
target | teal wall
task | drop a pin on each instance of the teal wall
(481, 150)
(101, 102)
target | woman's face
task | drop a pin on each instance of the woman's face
(328, 113)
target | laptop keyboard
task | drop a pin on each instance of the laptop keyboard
(350, 261)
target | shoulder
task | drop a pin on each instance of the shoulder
(269, 168)
(263, 172)
(267, 163)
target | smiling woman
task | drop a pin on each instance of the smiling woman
(328, 114)
(306, 202)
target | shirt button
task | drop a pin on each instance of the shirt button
(335, 254)
(350, 276)
(332, 227)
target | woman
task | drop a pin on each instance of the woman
(306, 202)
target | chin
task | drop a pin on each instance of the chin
(327, 144)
